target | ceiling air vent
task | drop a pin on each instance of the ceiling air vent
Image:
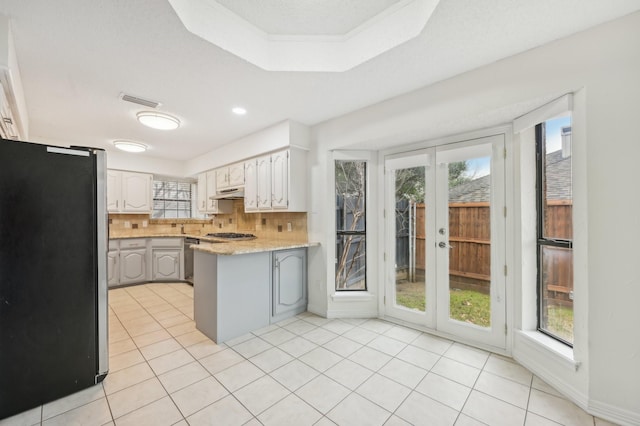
(139, 101)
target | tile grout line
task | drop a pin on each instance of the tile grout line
(323, 373)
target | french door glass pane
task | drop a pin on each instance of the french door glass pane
(470, 241)
(410, 214)
(556, 304)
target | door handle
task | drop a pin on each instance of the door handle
(442, 244)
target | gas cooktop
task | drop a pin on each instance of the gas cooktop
(231, 236)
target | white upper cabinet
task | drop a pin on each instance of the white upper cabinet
(264, 182)
(206, 190)
(129, 192)
(202, 193)
(136, 192)
(114, 190)
(277, 182)
(212, 205)
(230, 176)
(250, 186)
(280, 180)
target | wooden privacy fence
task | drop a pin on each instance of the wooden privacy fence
(470, 238)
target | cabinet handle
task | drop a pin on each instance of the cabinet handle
(116, 204)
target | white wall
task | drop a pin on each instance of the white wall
(281, 135)
(140, 163)
(605, 61)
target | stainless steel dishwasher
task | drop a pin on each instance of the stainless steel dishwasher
(188, 258)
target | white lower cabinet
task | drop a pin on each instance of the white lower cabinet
(113, 268)
(140, 260)
(167, 259)
(235, 295)
(289, 285)
(133, 266)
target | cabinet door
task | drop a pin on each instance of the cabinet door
(264, 183)
(133, 266)
(166, 265)
(136, 192)
(202, 192)
(250, 186)
(114, 195)
(280, 180)
(289, 282)
(113, 269)
(236, 175)
(222, 178)
(212, 205)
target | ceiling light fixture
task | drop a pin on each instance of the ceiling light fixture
(130, 146)
(158, 120)
(239, 111)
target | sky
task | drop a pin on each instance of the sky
(479, 167)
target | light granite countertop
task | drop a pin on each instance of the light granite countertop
(225, 247)
(154, 235)
(249, 246)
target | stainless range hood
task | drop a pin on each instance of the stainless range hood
(229, 194)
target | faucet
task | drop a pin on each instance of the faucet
(182, 228)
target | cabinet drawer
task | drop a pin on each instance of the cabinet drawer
(114, 244)
(133, 243)
(166, 242)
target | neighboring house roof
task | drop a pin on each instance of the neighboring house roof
(474, 191)
(558, 187)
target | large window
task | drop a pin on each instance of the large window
(555, 229)
(171, 199)
(351, 224)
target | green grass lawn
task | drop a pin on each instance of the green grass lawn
(560, 322)
(466, 305)
(470, 306)
(474, 307)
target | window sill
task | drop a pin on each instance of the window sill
(352, 296)
(543, 343)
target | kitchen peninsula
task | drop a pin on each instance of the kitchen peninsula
(242, 286)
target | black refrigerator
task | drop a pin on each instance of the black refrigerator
(53, 281)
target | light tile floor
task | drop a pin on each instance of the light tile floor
(306, 370)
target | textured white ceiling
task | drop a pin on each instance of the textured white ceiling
(76, 57)
(307, 17)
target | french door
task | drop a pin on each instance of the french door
(445, 239)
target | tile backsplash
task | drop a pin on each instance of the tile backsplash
(263, 225)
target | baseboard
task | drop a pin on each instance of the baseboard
(538, 360)
(351, 313)
(318, 310)
(614, 414)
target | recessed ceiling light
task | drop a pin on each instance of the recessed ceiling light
(239, 111)
(158, 120)
(130, 146)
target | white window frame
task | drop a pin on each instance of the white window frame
(560, 365)
(371, 239)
